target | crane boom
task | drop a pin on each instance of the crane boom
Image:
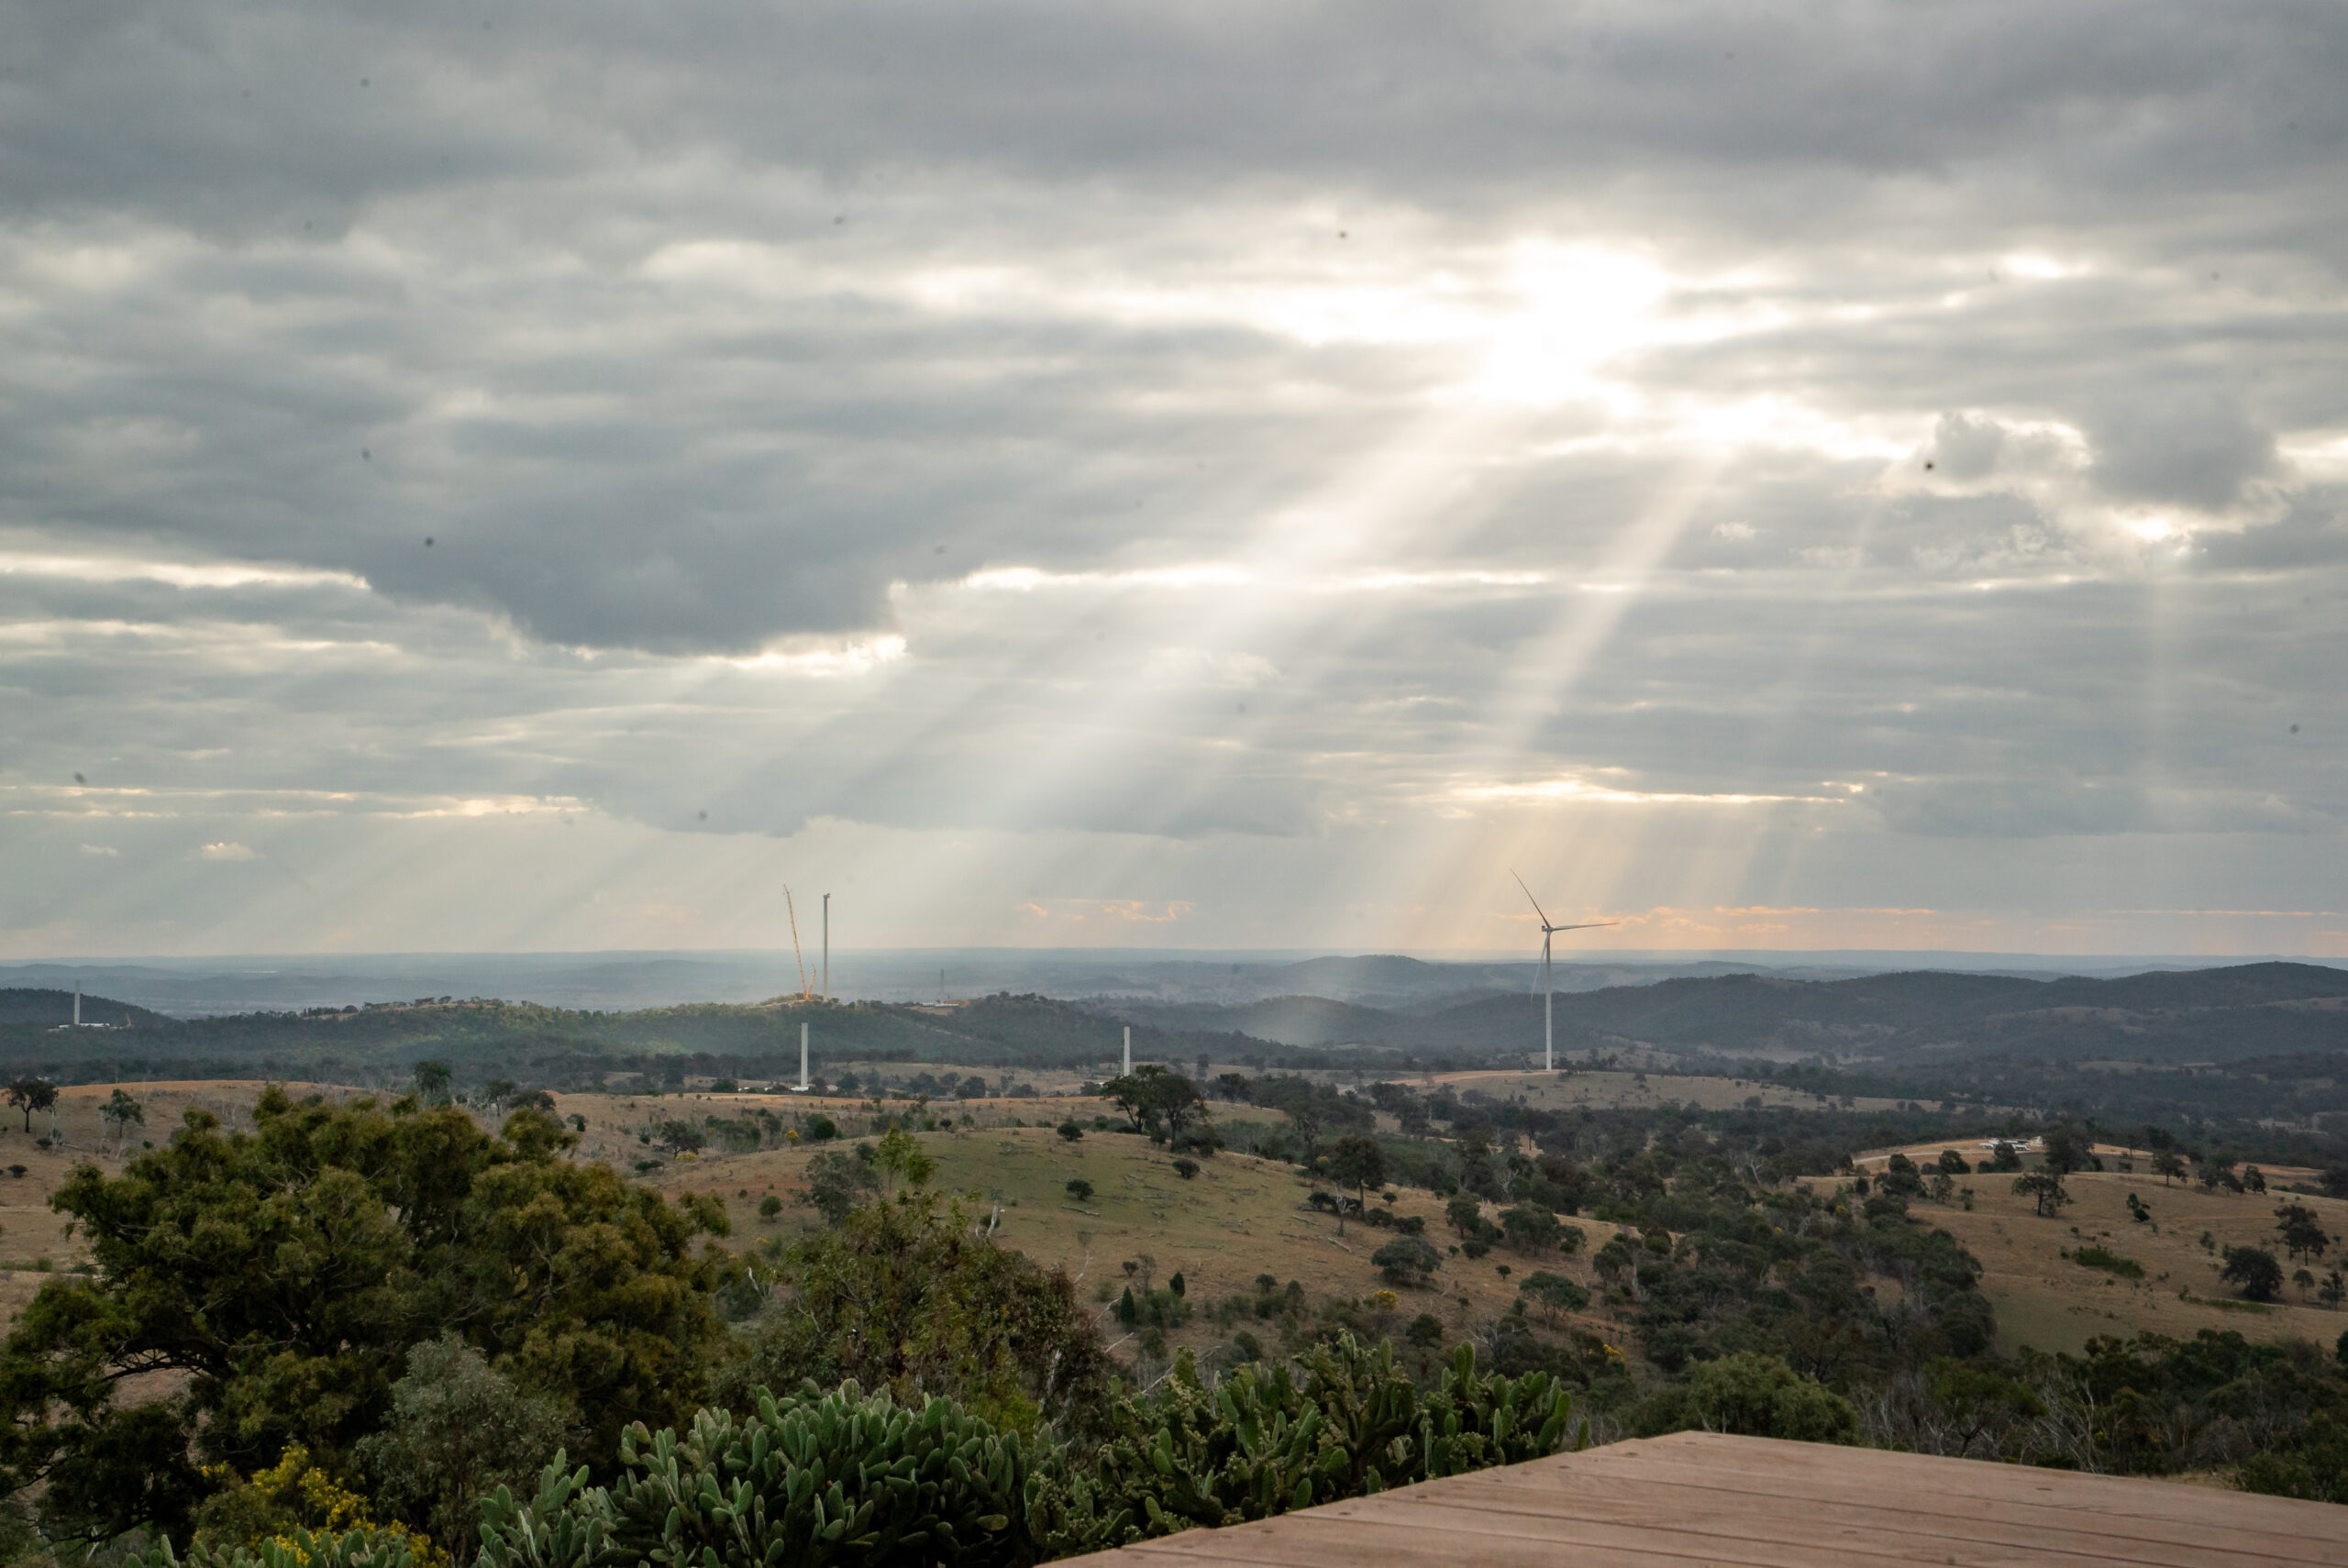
(804, 994)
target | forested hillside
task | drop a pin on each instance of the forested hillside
(2222, 1014)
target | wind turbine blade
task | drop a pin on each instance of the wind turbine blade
(1586, 926)
(1535, 902)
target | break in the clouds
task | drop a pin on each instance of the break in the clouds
(1870, 475)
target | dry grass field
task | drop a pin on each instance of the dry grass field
(1617, 1090)
(1240, 1216)
(2046, 1300)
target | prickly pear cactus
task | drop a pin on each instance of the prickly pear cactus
(805, 1483)
(1264, 1442)
(349, 1549)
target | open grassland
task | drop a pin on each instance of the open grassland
(2047, 1300)
(1617, 1090)
(1240, 1217)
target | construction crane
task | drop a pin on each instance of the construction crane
(805, 995)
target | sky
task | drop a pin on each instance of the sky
(478, 477)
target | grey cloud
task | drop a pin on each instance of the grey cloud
(1967, 449)
(2194, 447)
(217, 303)
(2313, 532)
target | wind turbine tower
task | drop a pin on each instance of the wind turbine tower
(1129, 1049)
(804, 1085)
(1548, 994)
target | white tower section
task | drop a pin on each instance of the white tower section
(804, 1085)
(1129, 1049)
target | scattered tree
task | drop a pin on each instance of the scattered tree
(1406, 1260)
(1156, 1101)
(31, 1094)
(1358, 1162)
(432, 1080)
(2302, 1231)
(2256, 1270)
(2045, 1189)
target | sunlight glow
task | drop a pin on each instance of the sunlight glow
(854, 658)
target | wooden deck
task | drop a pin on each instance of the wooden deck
(1695, 1499)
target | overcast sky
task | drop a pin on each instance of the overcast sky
(493, 476)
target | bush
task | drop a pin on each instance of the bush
(1554, 1293)
(840, 1478)
(2109, 1262)
(820, 1128)
(1759, 1396)
(459, 1430)
(1186, 1168)
(2256, 1270)
(903, 1297)
(1530, 1228)
(1354, 1423)
(298, 1548)
(769, 1208)
(818, 1479)
(1079, 1188)
(1406, 1260)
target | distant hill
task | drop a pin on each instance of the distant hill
(36, 1006)
(2215, 1015)
(563, 1045)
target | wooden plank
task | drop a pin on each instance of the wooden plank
(1313, 1539)
(1829, 1471)
(1753, 1503)
(1808, 1467)
(1568, 1492)
(1903, 1537)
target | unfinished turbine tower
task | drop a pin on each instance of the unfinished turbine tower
(804, 1085)
(1548, 996)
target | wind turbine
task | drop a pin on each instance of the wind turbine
(1548, 997)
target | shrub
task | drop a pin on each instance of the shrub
(1079, 1188)
(2109, 1262)
(1406, 1260)
(1554, 1293)
(817, 1479)
(903, 1297)
(839, 1478)
(298, 1548)
(2256, 1270)
(769, 1208)
(1759, 1396)
(1186, 1168)
(1354, 1423)
(458, 1428)
(1530, 1228)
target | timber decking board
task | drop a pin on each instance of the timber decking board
(1697, 1498)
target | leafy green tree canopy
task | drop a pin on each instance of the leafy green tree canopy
(1157, 1101)
(907, 1294)
(274, 1282)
